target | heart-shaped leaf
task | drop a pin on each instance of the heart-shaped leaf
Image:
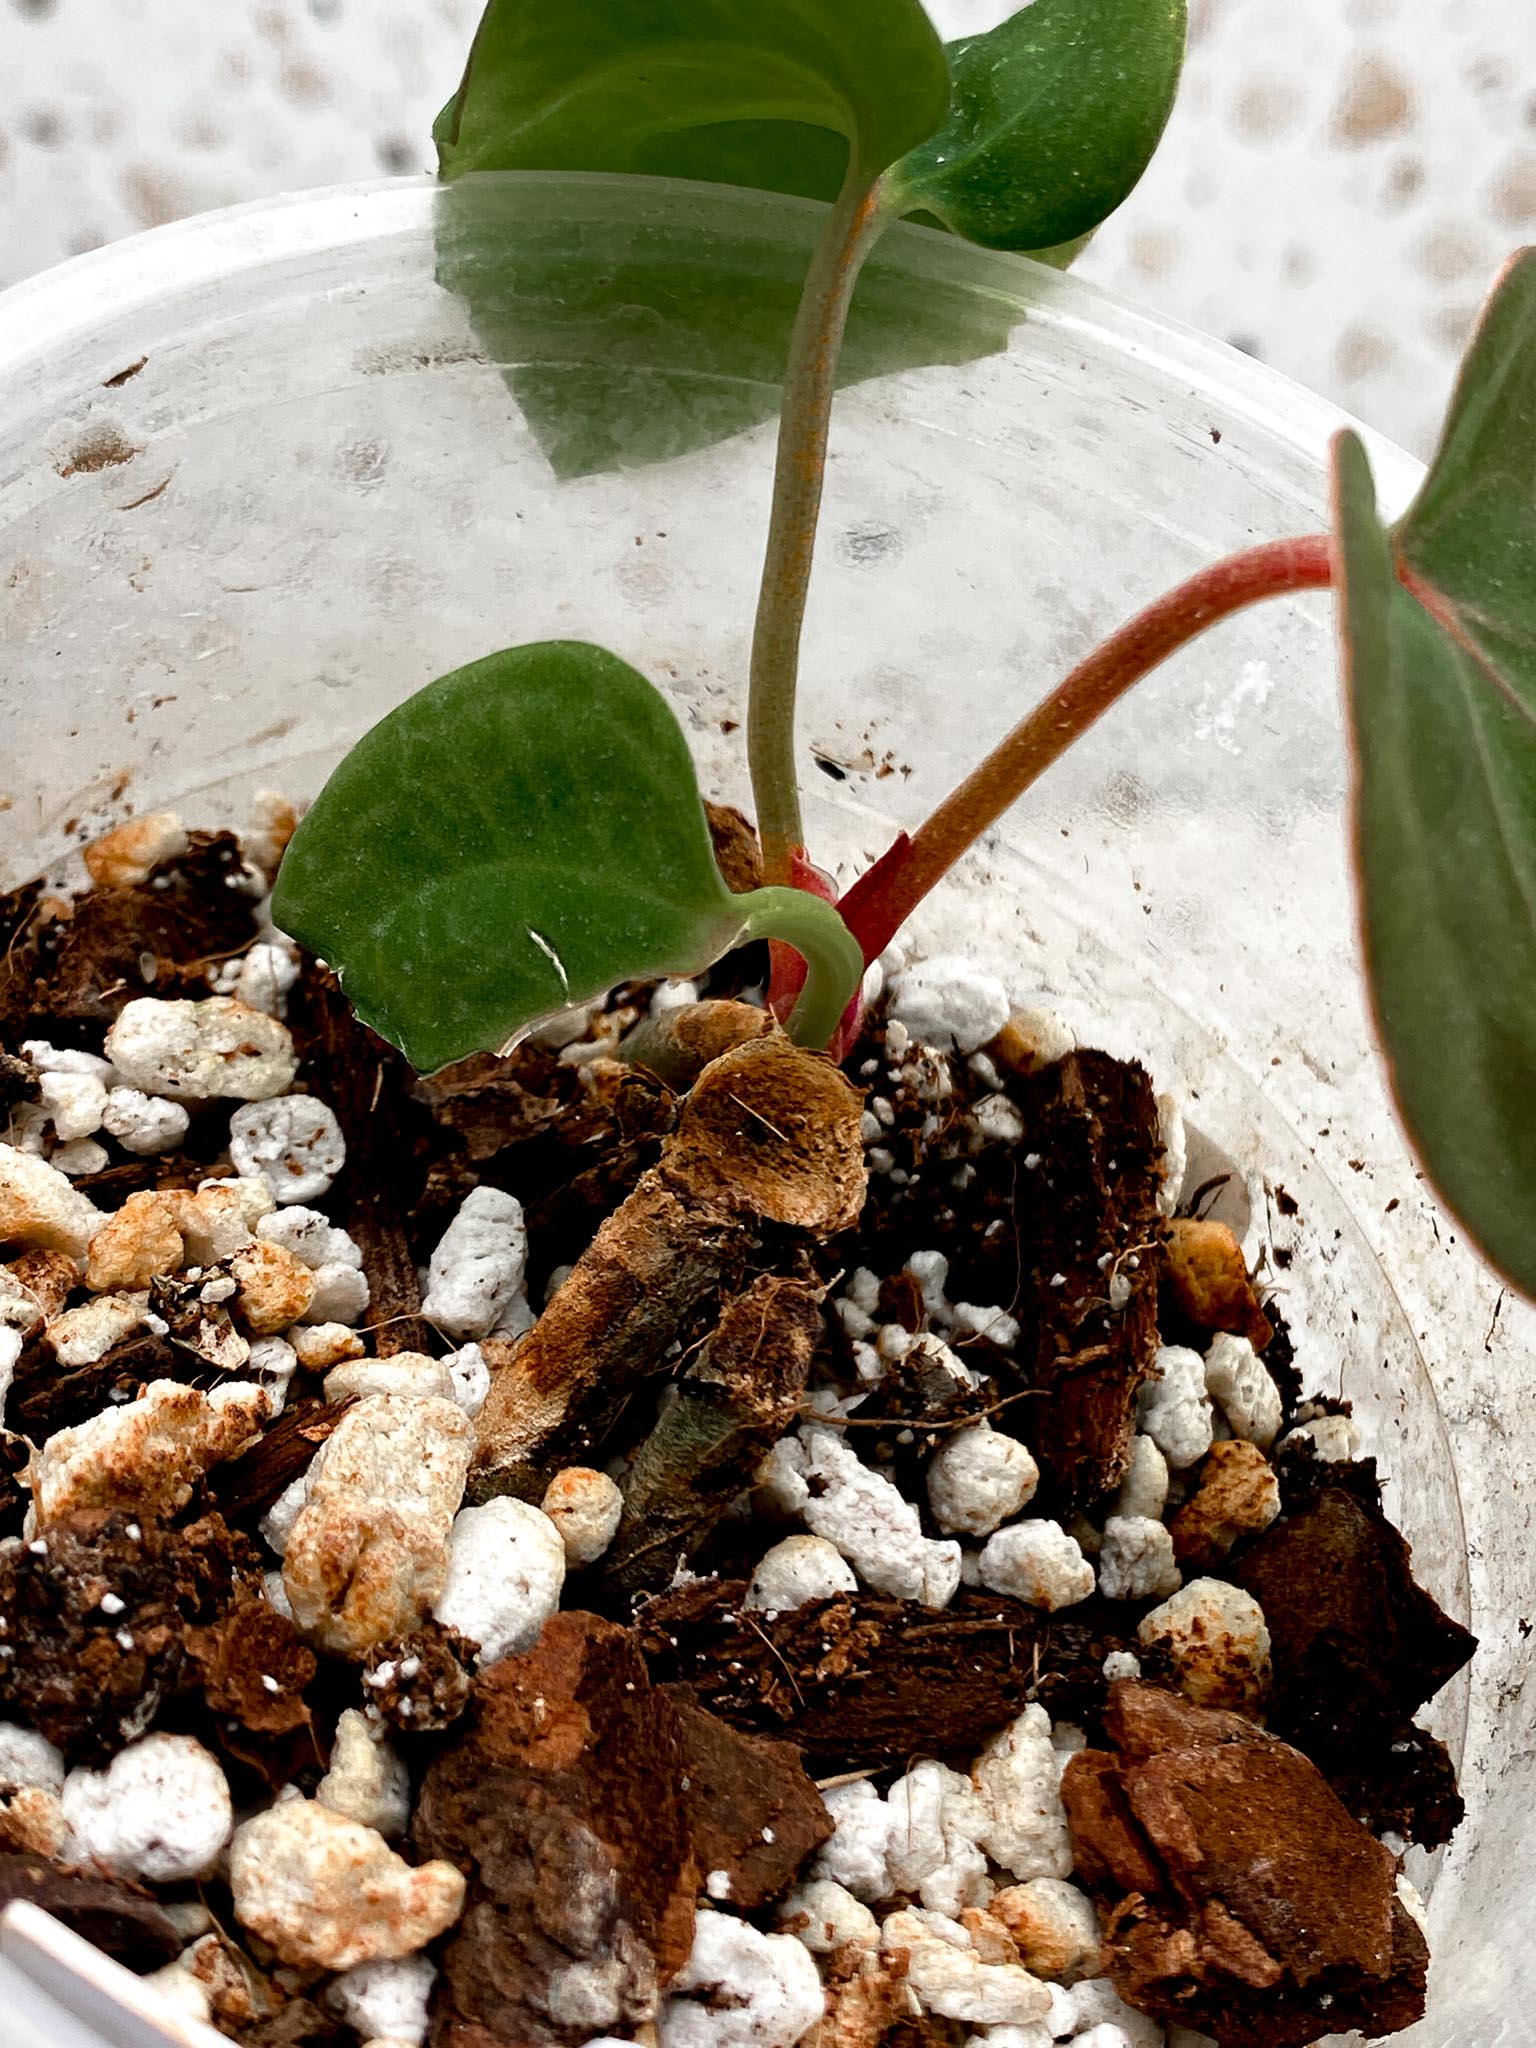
(515, 838)
(636, 323)
(735, 91)
(1439, 622)
(1054, 116)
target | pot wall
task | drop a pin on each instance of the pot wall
(261, 476)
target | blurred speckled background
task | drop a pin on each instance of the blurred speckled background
(1334, 193)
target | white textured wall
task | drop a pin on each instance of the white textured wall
(1337, 186)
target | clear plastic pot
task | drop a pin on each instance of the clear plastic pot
(261, 477)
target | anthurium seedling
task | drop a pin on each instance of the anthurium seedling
(1024, 138)
(526, 832)
(516, 838)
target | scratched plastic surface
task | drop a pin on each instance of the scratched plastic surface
(261, 477)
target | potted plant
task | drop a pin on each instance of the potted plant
(526, 833)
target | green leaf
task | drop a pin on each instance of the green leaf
(1439, 622)
(735, 91)
(636, 322)
(517, 837)
(1054, 117)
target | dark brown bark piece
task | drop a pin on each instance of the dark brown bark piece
(864, 1680)
(752, 1810)
(1227, 1818)
(110, 1188)
(389, 1143)
(1406, 1788)
(560, 1803)
(489, 1106)
(109, 1912)
(248, 1485)
(253, 1667)
(48, 1396)
(1141, 1720)
(769, 1138)
(1111, 1853)
(92, 1681)
(1238, 1895)
(591, 1161)
(15, 1498)
(735, 1401)
(1335, 1580)
(18, 1080)
(1357, 1649)
(1186, 1975)
(1087, 1214)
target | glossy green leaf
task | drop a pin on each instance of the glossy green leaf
(1054, 117)
(517, 837)
(636, 322)
(735, 91)
(1439, 624)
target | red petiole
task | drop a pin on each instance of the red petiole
(882, 899)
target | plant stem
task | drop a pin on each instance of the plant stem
(834, 963)
(881, 900)
(852, 228)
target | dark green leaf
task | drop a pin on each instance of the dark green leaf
(518, 836)
(730, 90)
(636, 322)
(1440, 639)
(1055, 115)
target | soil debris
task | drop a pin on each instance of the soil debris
(92, 1677)
(253, 1668)
(369, 1087)
(422, 1682)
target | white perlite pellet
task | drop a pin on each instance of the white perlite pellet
(387, 2000)
(366, 1781)
(863, 1515)
(1038, 1563)
(949, 1004)
(144, 1124)
(1174, 1409)
(1242, 1388)
(775, 1990)
(294, 1143)
(585, 1507)
(978, 1479)
(161, 1810)
(475, 1280)
(1136, 1560)
(506, 1566)
(797, 1571)
(201, 1051)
